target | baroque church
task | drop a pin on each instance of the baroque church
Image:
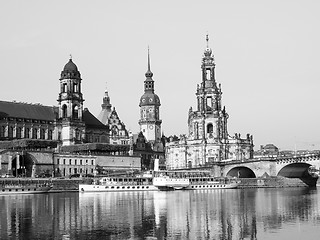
(208, 140)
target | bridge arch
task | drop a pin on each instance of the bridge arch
(23, 164)
(295, 170)
(241, 172)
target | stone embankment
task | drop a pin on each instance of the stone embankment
(276, 182)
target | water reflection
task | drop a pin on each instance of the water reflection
(201, 214)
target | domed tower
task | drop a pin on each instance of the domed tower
(70, 105)
(150, 123)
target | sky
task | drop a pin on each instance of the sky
(266, 54)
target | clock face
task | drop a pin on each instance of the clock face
(151, 127)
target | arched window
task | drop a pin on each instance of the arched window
(27, 133)
(78, 134)
(208, 74)
(196, 132)
(19, 131)
(64, 111)
(75, 87)
(64, 88)
(10, 132)
(35, 133)
(75, 112)
(2, 131)
(210, 128)
(209, 103)
(42, 133)
(50, 134)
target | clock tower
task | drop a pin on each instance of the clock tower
(150, 123)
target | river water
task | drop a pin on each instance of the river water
(291, 213)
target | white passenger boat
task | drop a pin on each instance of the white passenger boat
(119, 184)
(160, 180)
(165, 182)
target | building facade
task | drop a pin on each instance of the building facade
(32, 136)
(208, 140)
(68, 123)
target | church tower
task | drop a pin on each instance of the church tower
(150, 123)
(209, 121)
(70, 105)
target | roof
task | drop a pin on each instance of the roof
(70, 66)
(27, 111)
(104, 116)
(91, 121)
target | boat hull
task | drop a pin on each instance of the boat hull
(213, 186)
(115, 188)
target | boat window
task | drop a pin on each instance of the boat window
(16, 190)
(10, 190)
(123, 187)
(28, 189)
(107, 187)
(147, 186)
(128, 187)
(112, 187)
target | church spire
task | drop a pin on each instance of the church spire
(207, 39)
(149, 74)
(149, 83)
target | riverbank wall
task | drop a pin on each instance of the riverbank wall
(276, 182)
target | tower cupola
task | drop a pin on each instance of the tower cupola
(149, 98)
(70, 71)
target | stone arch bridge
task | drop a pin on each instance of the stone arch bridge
(305, 168)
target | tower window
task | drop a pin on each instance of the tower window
(75, 87)
(210, 128)
(64, 87)
(64, 111)
(75, 112)
(209, 103)
(208, 74)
